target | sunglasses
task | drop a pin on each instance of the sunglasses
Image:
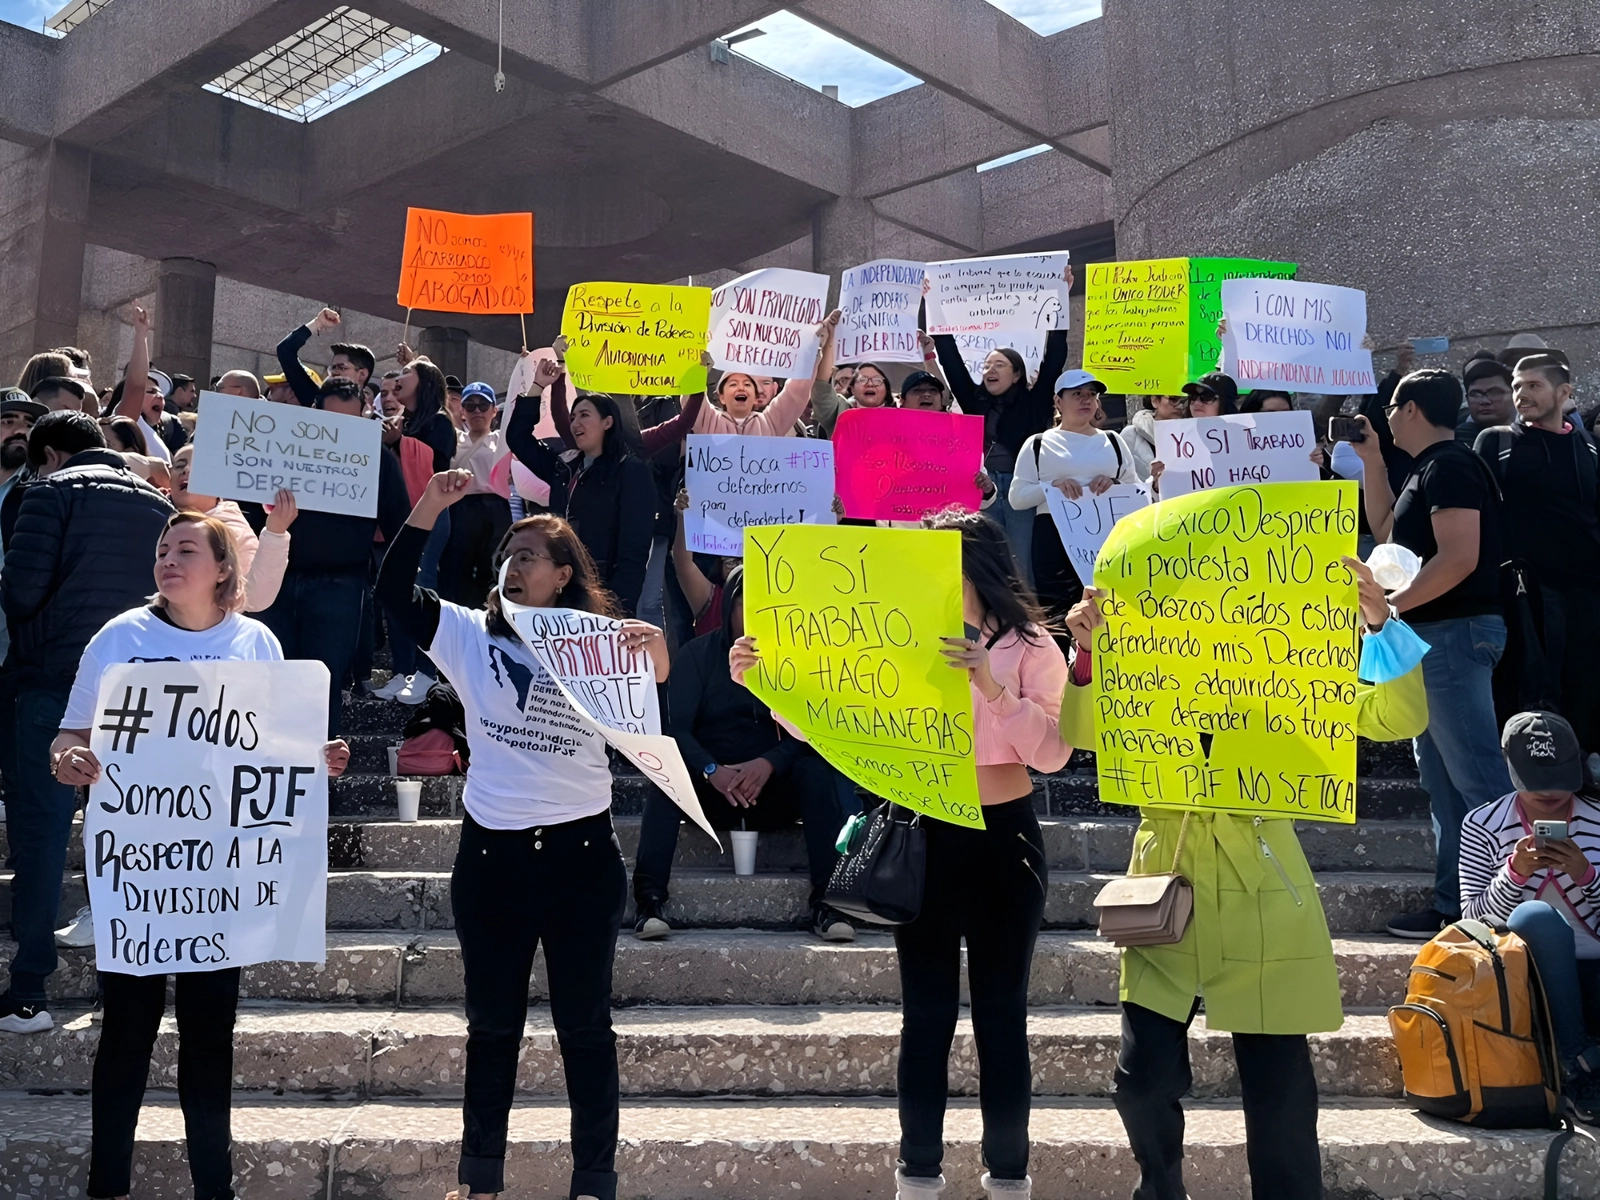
(475, 405)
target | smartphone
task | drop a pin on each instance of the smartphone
(1345, 429)
(1545, 832)
(1430, 345)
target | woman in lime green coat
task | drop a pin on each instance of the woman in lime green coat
(1256, 951)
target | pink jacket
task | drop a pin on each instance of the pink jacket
(262, 560)
(777, 420)
(1021, 725)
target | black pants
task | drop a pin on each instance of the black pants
(477, 523)
(1280, 1106)
(987, 885)
(206, 1001)
(564, 885)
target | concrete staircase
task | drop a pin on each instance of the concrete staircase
(756, 1061)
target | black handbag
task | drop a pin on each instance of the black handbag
(882, 874)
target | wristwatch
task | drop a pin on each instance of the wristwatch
(710, 771)
(1394, 615)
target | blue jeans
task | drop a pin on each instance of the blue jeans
(1018, 525)
(318, 616)
(653, 600)
(404, 656)
(1458, 755)
(1571, 984)
(39, 823)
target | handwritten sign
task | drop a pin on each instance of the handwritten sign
(1150, 326)
(457, 262)
(637, 339)
(206, 839)
(1085, 523)
(878, 304)
(765, 322)
(1207, 452)
(1301, 336)
(737, 482)
(897, 464)
(611, 689)
(1012, 292)
(976, 347)
(248, 449)
(1225, 675)
(848, 622)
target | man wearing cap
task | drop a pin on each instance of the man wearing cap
(924, 392)
(480, 518)
(1546, 889)
(1212, 395)
(452, 399)
(17, 415)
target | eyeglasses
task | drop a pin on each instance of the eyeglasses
(526, 558)
(475, 406)
(1499, 393)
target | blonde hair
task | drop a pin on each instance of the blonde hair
(230, 596)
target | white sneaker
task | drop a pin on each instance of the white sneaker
(391, 689)
(415, 690)
(78, 932)
(23, 1018)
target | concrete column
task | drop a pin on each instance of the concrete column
(186, 295)
(841, 238)
(44, 193)
(446, 346)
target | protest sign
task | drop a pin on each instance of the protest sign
(1151, 326)
(638, 339)
(878, 303)
(1207, 452)
(206, 840)
(458, 262)
(248, 449)
(976, 347)
(1085, 523)
(1225, 675)
(735, 482)
(1010, 292)
(765, 322)
(895, 464)
(848, 623)
(1300, 336)
(611, 690)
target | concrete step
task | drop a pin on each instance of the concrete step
(298, 1149)
(668, 1051)
(721, 967)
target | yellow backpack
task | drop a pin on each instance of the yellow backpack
(1474, 1033)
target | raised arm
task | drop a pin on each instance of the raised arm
(137, 376)
(697, 589)
(972, 398)
(289, 349)
(658, 437)
(417, 608)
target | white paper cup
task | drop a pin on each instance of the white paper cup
(394, 760)
(409, 793)
(744, 851)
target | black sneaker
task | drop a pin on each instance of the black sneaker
(831, 925)
(648, 924)
(23, 1018)
(1419, 926)
(1581, 1094)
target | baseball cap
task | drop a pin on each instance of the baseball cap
(1542, 753)
(921, 379)
(274, 380)
(479, 389)
(1214, 383)
(452, 384)
(162, 380)
(15, 400)
(1077, 379)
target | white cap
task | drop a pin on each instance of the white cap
(1076, 379)
(163, 381)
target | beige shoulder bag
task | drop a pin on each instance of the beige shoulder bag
(1147, 910)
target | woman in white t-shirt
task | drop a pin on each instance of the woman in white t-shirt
(194, 616)
(538, 861)
(1074, 457)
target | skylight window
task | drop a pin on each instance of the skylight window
(1050, 16)
(808, 55)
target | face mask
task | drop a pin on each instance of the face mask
(1391, 653)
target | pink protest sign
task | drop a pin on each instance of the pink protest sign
(895, 465)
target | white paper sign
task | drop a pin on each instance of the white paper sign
(878, 304)
(735, 482)
(206, 839)
(248, 449)
(1303, 337)
(975, 347)
(1085, 523)
(1013, 291)
(1245, 448)
(612, 690)
(765, 323)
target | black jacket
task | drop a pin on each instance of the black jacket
(294, 372)
(612, 505)
(1013, 415)
(83, 551)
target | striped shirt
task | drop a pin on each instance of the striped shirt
(1490, 889)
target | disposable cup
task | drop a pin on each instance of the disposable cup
(394, 760)
(409, 793)
(744, 851)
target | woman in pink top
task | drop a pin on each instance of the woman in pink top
(737, 395)
(985, 885)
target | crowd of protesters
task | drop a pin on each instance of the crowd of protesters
(550, 495)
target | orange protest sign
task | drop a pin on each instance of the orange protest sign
(457, 262)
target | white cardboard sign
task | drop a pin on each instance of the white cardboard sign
(1304, 337)
(735, 482)
(765, 322)
(1241, 449)
(248, 449)
(878, 303)
(1085, 523)
(206, 840)
(1009, 292)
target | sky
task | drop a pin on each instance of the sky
(29, 13)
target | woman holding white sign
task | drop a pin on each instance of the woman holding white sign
(194, 616)
(538, 861)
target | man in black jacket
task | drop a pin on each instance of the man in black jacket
(350, 361)
(83, 551)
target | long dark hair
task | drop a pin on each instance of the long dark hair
(617, 441)
(584, 591)
(988, 564)
(430, 397)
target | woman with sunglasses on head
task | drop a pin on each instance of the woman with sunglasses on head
(538, 861)
(480, 518)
